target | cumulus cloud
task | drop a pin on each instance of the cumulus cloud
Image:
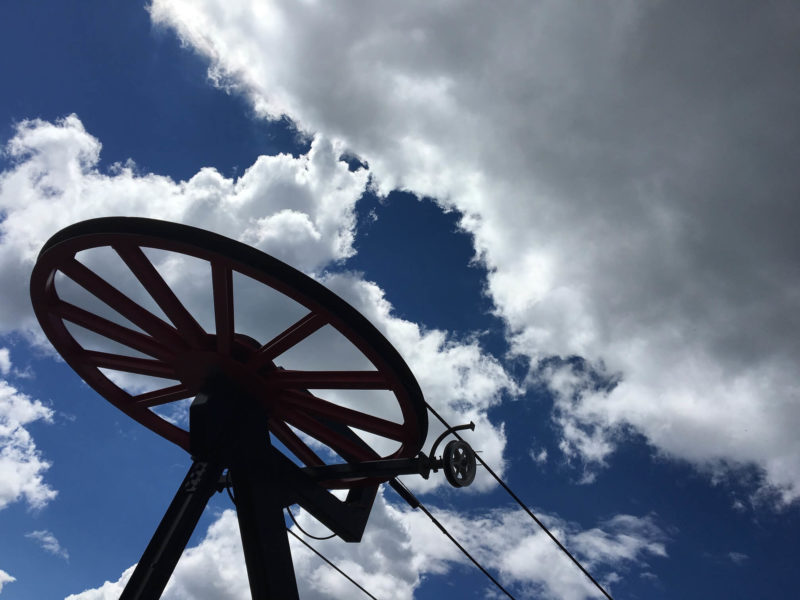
(401, 546)
(48, 542)
(5, 578)
(538, 456)
(627, 174)
(298, 209)
(459, 380)
(22, 466)
(738, 558)
(508, 542)
(5, 361)
(110, 590)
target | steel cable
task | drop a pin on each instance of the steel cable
(318, 553)
(414, 502)
(526, 509)
(313, 537)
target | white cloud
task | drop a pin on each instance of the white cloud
(110, 590)
(300, 209)
(627, 174)
(457, 379)
(401, 546)
(538, 456)
(738, 557)
(507, 542)
(5, 361)
(48, 542)
(21, 464)
(5, 578)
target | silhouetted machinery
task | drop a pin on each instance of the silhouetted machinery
(267, 433)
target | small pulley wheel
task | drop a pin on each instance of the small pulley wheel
(459, 463)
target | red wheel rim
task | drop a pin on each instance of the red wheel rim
(180, 349)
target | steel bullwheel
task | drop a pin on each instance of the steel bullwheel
(181, 350)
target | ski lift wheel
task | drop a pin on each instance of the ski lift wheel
(459, 463)
(180, 349)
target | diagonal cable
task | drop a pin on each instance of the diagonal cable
(412, 500)
(525, 508)
(310, 547)
(315, 551)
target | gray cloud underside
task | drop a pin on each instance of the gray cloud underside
(56, 181)
(628, 173)
(298, 209)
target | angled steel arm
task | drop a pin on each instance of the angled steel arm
(159, 559)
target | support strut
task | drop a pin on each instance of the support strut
(257, 493)
(227, 430)
(159, 559)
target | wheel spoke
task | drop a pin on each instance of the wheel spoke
(129, 364)
(328, 436)
(293, 442)
(328, 380)
(166, 299)
(286, 339)
(222, 285)
(162, 396)
(295, 400)
(126, 307)
(118, 333)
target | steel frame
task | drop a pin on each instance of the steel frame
(241, 396)
(182, 350)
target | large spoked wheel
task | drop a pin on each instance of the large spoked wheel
(179, 349)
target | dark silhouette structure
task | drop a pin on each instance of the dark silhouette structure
(250, 420)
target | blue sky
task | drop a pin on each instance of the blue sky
(577, 224)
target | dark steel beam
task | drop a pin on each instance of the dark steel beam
(229, 425)
(259, 508)
(387, 468)
(168, 542)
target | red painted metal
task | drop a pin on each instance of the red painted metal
(321, 432)
(127, 337)
(135, 313)
(222, 287)
(182, 351)
(158, 289)
(329, 380)
(286, 339)
(294, 401)
(129, 364)
(293, 442)
(163, 396)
